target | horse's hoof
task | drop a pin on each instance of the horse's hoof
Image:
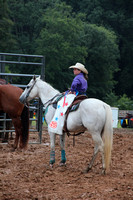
(62, 164)
(86, 170)
(51, 165)
(13, 149)
(51, 162)
(103, 172)
(19, 150)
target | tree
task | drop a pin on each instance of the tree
(6, 38)
(59, 42)
(52, 29)
(101, 60)
(116, 16)
(26, 16)
(67, 39)
(125, 103)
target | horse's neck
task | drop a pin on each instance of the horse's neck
(46, 92)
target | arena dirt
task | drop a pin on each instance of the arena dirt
(28, 176)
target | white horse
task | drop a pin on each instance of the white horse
(92, 115)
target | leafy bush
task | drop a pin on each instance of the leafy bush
(111, 99)
(122, 102)
(125, 103)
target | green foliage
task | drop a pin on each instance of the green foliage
(59, 42)
(7, 70)
(111, 99)
(66, 39)
(97, 33)
(6, 38)
(101, 60)
(125, 103)
(117, 16)
(27, 24)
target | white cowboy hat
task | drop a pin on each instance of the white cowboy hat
(80, 67)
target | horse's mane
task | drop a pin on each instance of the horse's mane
(47, 84)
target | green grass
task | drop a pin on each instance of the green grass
(34, 123)
(119, 124)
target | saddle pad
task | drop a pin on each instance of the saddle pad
(57, 123)
(73, 108)
(75, 104)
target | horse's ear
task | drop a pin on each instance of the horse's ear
(34, 77)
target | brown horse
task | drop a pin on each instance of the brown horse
(9, 103)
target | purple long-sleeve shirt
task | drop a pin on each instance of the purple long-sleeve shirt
(79, 84)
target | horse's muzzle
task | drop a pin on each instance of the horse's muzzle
(22, 100)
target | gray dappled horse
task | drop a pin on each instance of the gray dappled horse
(92, 115)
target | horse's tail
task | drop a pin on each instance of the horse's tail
(108, 136)
(25, 126)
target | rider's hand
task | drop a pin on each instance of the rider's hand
(72, 92)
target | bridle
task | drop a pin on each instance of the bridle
(48, 102)
(30, 89)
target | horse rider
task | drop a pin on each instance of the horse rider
(79, 84)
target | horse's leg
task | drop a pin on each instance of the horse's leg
(6, 137)
(8, 126)
(17, 126)
(52, 145)
(62, 144)
(93, 159)
(99, 146)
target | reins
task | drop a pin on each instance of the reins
(50, 100)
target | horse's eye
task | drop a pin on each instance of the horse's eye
(28, 87)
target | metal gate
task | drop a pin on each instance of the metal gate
(21, 60)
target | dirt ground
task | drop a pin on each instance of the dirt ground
(28, 176)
